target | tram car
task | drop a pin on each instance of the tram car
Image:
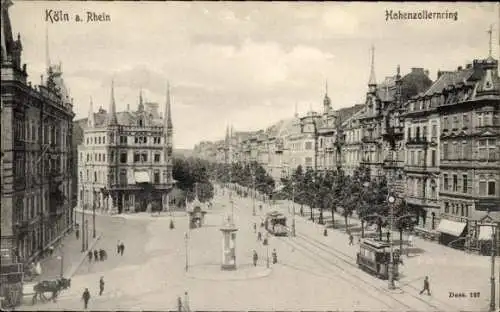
(275, 223)
(373, 257)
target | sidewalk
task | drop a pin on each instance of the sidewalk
(71, 248)
(135, 215)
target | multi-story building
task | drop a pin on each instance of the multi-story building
(467, 101)
(36, 206)
(125, 161)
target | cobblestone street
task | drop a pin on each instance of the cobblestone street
(312, 271)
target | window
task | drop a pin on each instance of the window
(433, 158)
(123, 158)
(465, 121)
(491, 188)
(482, 187)
(99, 140)
(455, 183)
(433, 189)
(463, 153)
(157, 177)
(308, 145)
(417, 133)
(412, 157)
(487, 118)
(480, 121)
(446, 207)
(112, 156)
(455, 122)
(420, 159)
(137, 157)
(123, 176)
(464, 184)
(95, 176)
(445, 182)
(487, 149)
(446, 124)
(103, 140)
(445, 150)
(157, 157)
(144, 157)
(409, 134)
(103, 157)
(424, 132)
(123, 139)
(157, 140)
(140, 122)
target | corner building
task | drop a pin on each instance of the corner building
(126, 159)
(36, 130)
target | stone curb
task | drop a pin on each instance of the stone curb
(219, 277)
(75, 267)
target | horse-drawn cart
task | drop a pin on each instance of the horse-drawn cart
(40, 289)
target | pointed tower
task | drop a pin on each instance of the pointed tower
(372, 81)
(141, 103)
(168, 111)
(112, 120)
(91, 119)
(326, 101)
(168, 128)
(47, 54)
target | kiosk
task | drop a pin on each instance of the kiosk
(228, 230)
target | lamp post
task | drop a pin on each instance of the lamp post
(186, 239)
(492, 278)
(253, 194)
(293, 209)
(93, 214)
(61, 258)
(86, 234)
(391, 201)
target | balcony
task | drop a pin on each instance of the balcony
(369, 139)
(418, 141)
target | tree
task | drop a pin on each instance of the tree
(193, 174)
(308, 187)
(405, 217)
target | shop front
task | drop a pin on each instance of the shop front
(452, 233)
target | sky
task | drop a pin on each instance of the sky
(248, 64)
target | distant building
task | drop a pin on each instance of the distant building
(125, 160)
(36, 121)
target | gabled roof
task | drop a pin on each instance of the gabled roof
(449, 78)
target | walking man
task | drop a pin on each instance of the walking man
(255, 258)
(426, 286)
(86, 298)
(255, 227)
(122, 248)
(259, 236)
(77, 232)
(351, 239)
(89, 254)
(388, 236)
(118, 247)
(275, 256)
(101, 286)
(96, 255)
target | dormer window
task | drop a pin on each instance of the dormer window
(140, 122)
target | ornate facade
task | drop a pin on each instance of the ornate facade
(125, 161)
(37, 206)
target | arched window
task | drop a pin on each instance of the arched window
(140, 122)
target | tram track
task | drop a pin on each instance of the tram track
(350, 261)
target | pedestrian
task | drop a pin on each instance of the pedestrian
(101, 254)
(96, 255)
(89, 254)
(101, 286)
(122, 248)
(426, 286)
(351, 239)
(86, 298)
(255, 257)
(259, 236)
(275, 256)
(388, 236)
(179, 304)
(325, 232)
(77, 232)
(118, 248)
(410, 240)
(255, 227)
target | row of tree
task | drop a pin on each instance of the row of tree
(250, 175)
(192, 177)
(345, 195)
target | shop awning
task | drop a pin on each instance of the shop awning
(485, 232)
(451, 227)
(142, 177)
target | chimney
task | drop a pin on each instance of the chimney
(459, 68)
(468, 66)
(417, 70)
(426, 72)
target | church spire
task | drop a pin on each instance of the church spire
(168, 110)
(91, 119)
(490, 32)
(326, 100)
(372, 81)
(141, 103)
(112, 107)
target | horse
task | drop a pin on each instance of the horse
(53, 287)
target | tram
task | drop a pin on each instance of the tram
(373, 257)
(275, 223)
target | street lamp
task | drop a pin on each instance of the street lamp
(492, 278)
(391, 201)
(253, 194)
(61, 258)
(293, 209)
(86, 234)
(186, 239)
